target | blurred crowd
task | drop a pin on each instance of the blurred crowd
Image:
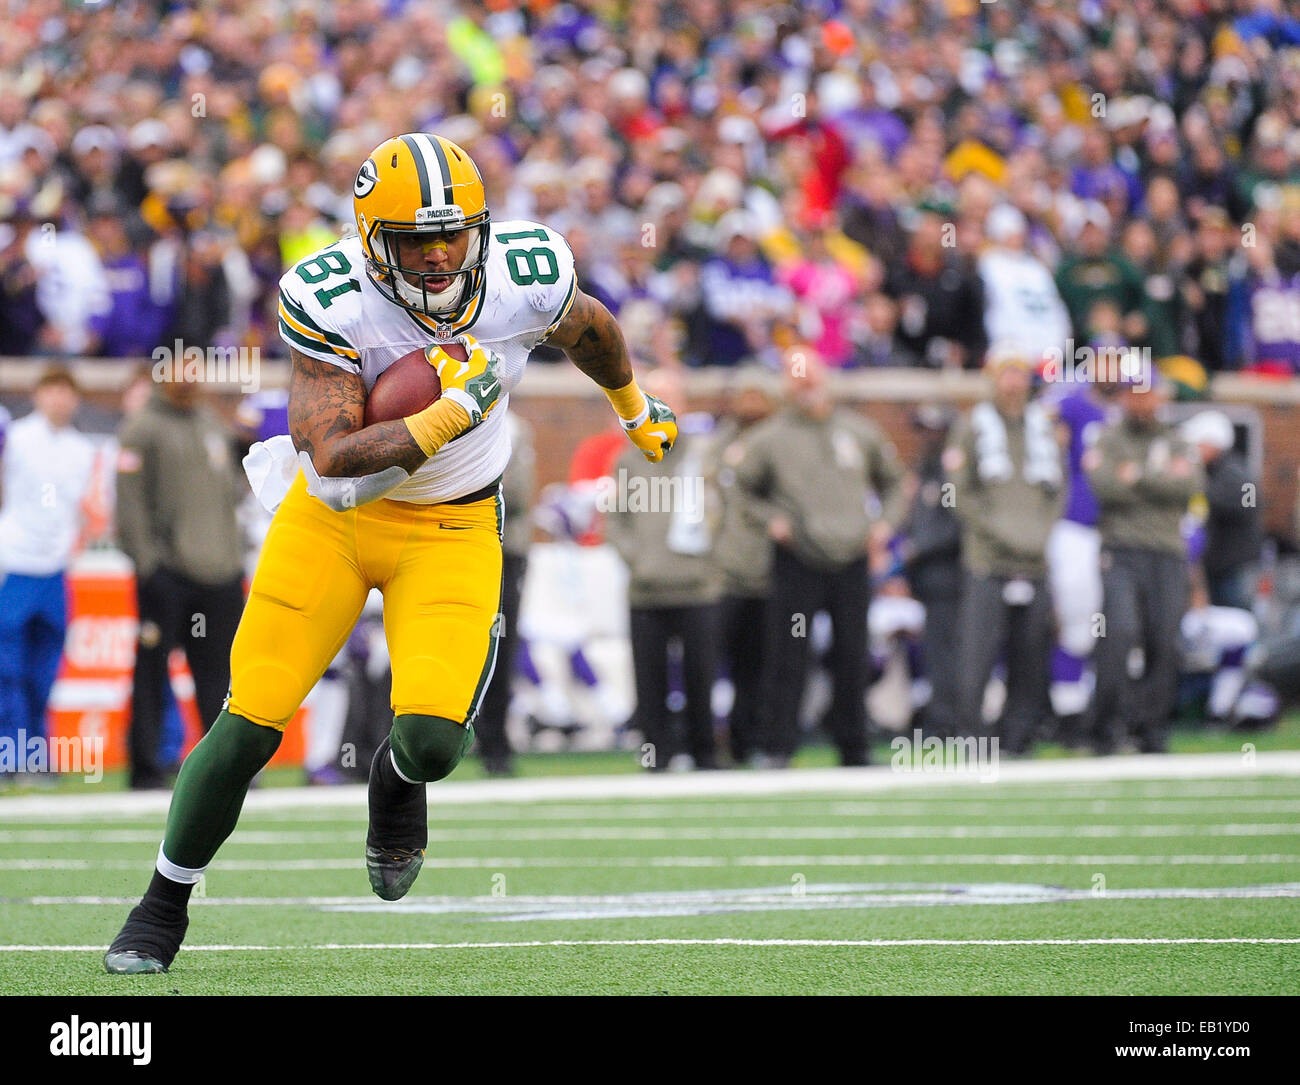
(837, 184)
(892, 181)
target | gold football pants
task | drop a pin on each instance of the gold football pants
(439, 568)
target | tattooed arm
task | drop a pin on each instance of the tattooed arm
(590, 336)
(326, 408)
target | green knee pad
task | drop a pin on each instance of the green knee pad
(428, 747)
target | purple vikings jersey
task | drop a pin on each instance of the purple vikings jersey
(1083, 417)
(1274, 323)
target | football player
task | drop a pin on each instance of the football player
(410, 506)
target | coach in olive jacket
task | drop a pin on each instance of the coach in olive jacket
(660, 517)
(826, 486)
(178, 486)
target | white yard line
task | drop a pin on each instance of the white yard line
(524, 908)
(691, 785)
(770, 894)
(1189, 796)
(804, 943)
(516, 862)
(273, 838)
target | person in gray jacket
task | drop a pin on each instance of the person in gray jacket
(932, 566)
(659, 519)
(1003, 463)
(1233, 536)
(1143, 474)
(825, 485)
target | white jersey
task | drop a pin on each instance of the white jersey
(47, 473)
(1022, 304)
(331, 310)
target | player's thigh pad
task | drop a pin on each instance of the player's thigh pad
(441, 606)
(305, 598)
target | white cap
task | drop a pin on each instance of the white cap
(590, 169)
(1094, 213)
(540, 173)
(267, 164)
(1212, 428)
(737, 223)
(1005, 222)
(671, 139)
(720, 186)
(1127, 112)
(628, 83)
(94, 136)
(665, 196)
(148, 133)
(29, 137)
(737, 129)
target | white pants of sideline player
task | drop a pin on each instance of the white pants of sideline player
(1074, 573)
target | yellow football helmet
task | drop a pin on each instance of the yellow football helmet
(421, 184)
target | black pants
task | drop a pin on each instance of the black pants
(940, 647)
(696, 628)
(989, 628)
(1145, 593)
(742, 645)
(798, 592)
(1230, 589)
(176, 611)
(490, 727)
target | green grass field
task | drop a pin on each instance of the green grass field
(1151, 886)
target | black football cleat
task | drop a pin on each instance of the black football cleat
(393, 870)
(398, 831)
(149, 940)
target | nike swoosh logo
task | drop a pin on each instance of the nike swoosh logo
(454, 527)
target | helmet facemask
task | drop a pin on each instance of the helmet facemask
(409, 286)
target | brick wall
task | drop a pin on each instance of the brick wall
(564, 407)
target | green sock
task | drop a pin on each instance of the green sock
(211, 787)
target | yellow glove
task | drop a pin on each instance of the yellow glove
(474, 383)
(649, 421)
(470, 389)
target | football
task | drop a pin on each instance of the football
(407, 386)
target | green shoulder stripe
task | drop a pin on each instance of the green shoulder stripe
(311, 345)
(299, 314)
